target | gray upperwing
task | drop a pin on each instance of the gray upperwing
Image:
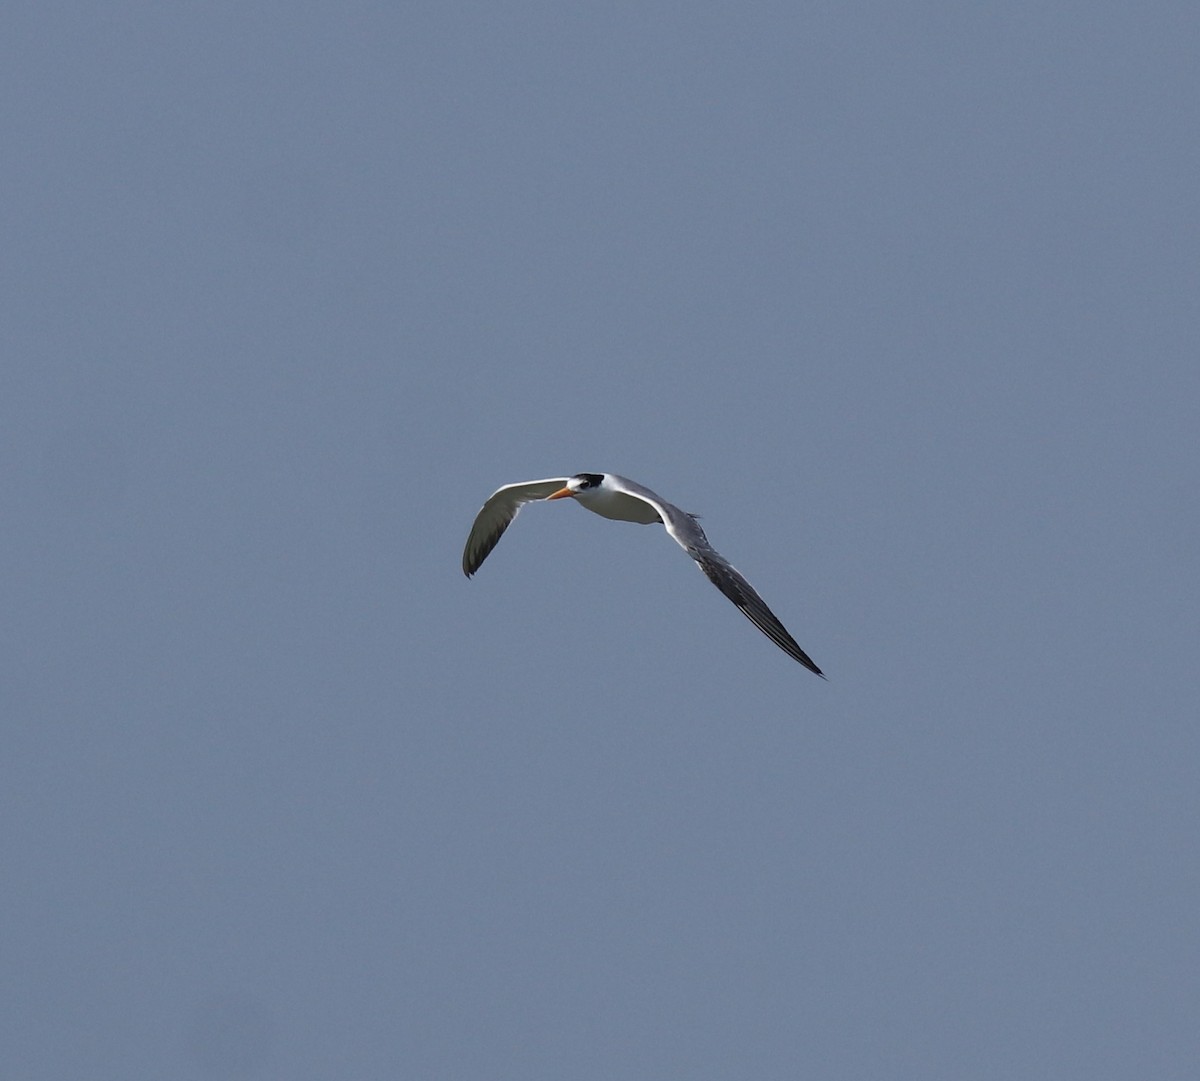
(497, 514)
(688, 533)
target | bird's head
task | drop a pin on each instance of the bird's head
(581, 482)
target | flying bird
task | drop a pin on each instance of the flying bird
(624, 500)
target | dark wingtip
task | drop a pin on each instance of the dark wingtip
(812, 667)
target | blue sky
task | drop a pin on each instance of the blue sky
(900, 298)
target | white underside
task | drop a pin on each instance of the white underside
(618, 506)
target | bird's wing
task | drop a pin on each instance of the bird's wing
(496, 515)
(687, 533)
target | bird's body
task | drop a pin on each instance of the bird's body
(624, 500)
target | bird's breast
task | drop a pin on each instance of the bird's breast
(619, 507)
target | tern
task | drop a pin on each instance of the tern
(624, 500)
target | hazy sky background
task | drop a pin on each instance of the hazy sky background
(904, 299)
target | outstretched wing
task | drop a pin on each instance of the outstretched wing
(686, 531)
(496, 515)
(730, 582)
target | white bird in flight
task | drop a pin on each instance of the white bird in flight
(624, 500)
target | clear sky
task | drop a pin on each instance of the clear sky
(904, 299)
